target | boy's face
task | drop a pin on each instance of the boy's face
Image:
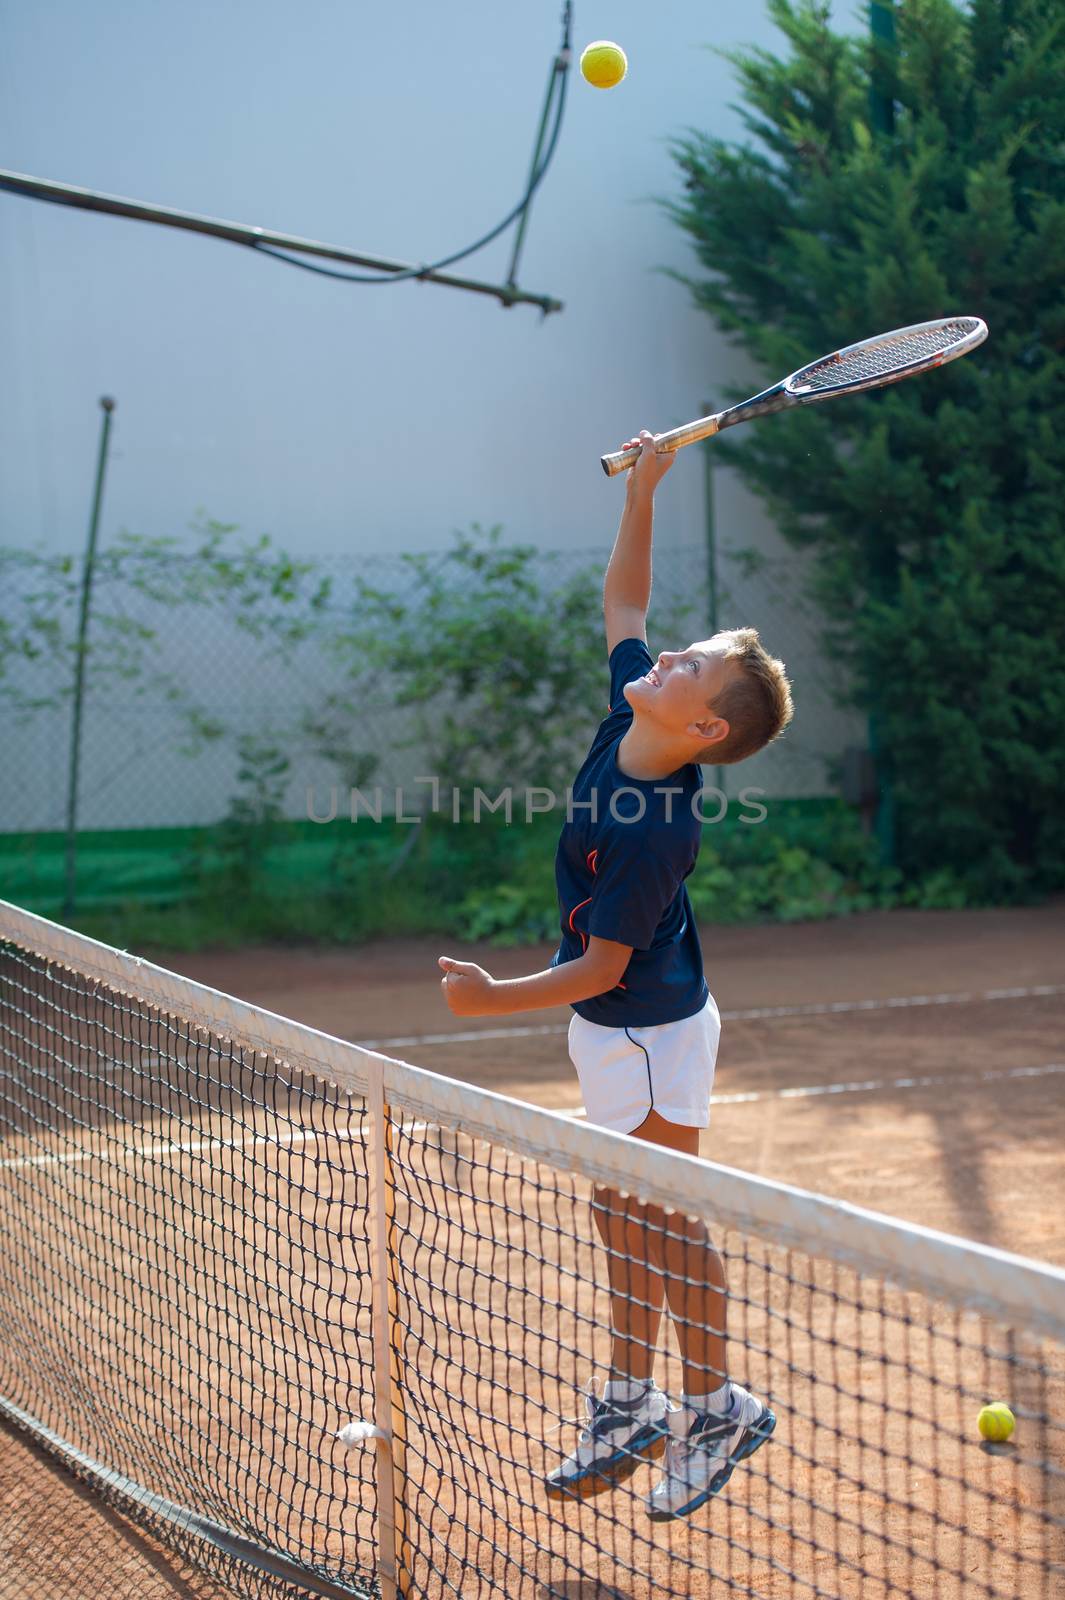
(679, 691)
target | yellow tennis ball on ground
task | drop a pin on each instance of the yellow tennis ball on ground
(604, 64)
(996, 1421)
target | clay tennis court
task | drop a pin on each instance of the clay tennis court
(911, 1063)
(980, 1152)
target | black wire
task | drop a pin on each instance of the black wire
(562, 64)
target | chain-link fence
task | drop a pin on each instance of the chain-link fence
(772, 596)
(183, 700)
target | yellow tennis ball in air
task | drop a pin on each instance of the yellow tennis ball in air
(604, 64)
(996, 1422)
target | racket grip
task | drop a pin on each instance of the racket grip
(676, 439)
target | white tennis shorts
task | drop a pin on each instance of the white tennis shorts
(626, 1072)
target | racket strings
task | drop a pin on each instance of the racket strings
(877, 357)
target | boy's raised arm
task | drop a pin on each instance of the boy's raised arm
(627, 585)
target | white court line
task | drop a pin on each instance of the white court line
(166, 1147)
(308, 1136)
(873, 1085)
(754, 1014)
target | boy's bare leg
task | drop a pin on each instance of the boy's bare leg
(637, 1291)
(649, 1254)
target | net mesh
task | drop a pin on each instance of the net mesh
(876, 358)
(190, 1275)
(184, 1280)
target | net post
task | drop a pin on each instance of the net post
(388, 1410)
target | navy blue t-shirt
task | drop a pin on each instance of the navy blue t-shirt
(620, 875)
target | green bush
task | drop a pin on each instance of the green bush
(500, 674)
(806, 861)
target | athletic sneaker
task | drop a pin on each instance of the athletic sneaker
(619, 1436)
(703, 1448)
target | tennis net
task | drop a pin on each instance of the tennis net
(225, 1238)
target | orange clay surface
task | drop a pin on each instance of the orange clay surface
(927, 1092)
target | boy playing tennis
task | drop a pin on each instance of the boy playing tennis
(645, 1029)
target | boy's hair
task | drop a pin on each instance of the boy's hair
(755, 702)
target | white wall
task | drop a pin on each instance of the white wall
(294, 405)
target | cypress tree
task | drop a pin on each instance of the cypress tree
(934, 511)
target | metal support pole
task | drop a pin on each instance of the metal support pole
(107, 405)
(882, 121)
(559, 67)
(67, 194)
(882, 33)
(711, 557)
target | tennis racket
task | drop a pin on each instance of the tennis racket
(868, 365)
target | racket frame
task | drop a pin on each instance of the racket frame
(789, 392)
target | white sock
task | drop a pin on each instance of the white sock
(719, 1403)
(626, 1390)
